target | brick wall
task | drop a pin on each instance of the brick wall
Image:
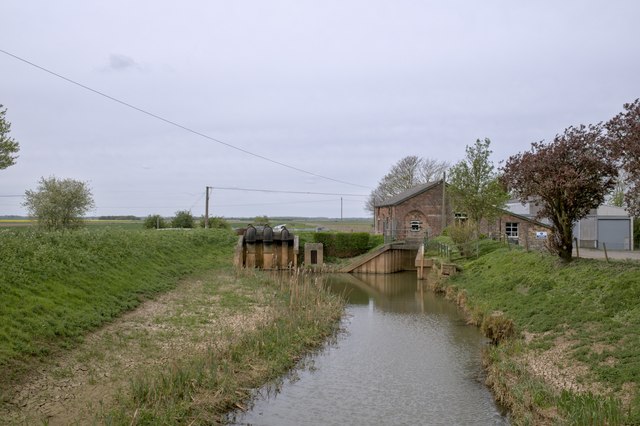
(425, 207)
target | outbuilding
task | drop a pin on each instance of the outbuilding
(606, 226)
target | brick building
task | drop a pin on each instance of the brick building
(424, 211)
(415, 214)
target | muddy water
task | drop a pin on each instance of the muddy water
(406, 358)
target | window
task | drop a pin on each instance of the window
(416, 225)
(512, 229)
(460, 217)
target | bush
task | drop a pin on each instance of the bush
(342, 244)
(154, 221)
(261, 220)
(183, 219)
(497, 327)
(59, 203)
(462, 235)
(215, 223)
(375, 241)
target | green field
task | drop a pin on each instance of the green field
(91, 224)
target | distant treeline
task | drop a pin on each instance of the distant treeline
(130, 217)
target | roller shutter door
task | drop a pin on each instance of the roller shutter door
(614, 233)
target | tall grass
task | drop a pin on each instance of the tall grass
(54, 287)
(204, 387)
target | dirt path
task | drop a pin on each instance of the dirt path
(201, 313)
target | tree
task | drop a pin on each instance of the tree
(59, 204)
(8, 145)
(183, 219)
(617, 196)
(405, 174)
(566, 178)
(261, 220)
(474, 187)
(624, 140)
(154, 221)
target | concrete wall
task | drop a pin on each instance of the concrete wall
(388, 262)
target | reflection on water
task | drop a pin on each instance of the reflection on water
(406, 358)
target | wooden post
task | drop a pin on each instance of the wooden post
(577, 247)
(606, 255)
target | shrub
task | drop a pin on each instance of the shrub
(497, 327)
(342, 244)
(183, 219)
(59, 203)
(215, 223)
(375, 240)
(154, 221)
(261, 220)
(462, 234)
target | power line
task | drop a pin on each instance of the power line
(286, 192)
(286, 203)
(180, 126)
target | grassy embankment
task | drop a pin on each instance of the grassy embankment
(576, 357)
(55, 288)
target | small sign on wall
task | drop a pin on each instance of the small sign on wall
(541, 235)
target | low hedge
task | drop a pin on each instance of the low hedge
(344, 245)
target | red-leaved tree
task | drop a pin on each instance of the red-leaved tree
(566, 178)
(624, 137)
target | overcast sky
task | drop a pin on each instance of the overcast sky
(341, 89)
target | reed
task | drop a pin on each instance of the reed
(202, 388)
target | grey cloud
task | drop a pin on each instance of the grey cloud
(119, 62)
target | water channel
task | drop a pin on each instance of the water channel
(406, 358)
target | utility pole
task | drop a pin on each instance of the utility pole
(206, 208)
(340, 209)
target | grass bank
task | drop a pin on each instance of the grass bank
(55, 287)
(575, 354)
(205, 335)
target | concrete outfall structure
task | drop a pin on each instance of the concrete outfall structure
(262, 247)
